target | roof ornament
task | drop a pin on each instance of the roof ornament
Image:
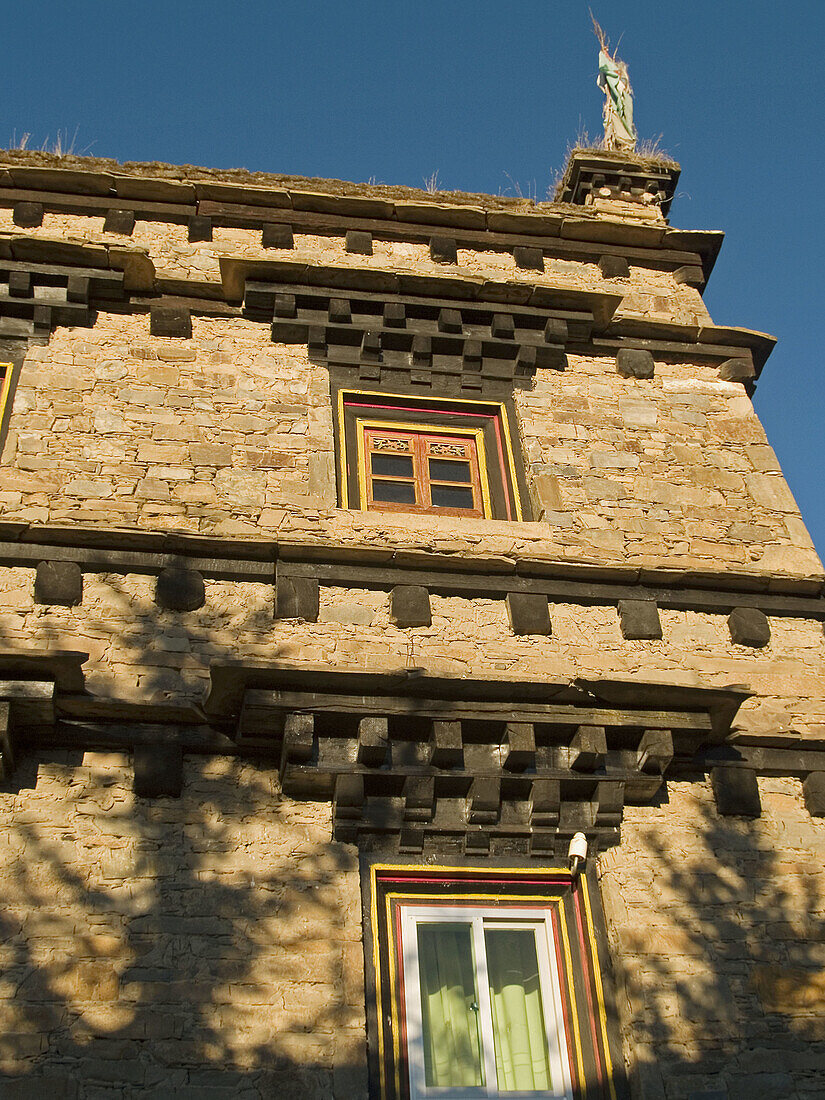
(613, 79)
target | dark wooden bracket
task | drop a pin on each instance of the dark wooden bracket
(420, 760)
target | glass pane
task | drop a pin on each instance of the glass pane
(519, 1031)
(394, 492)
(449, 1005)
(450, 496)
(392, 465)
(441, 469)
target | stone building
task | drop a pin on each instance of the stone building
(360, 546)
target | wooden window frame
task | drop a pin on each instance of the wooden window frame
(583, 1010)
(536, 919)
(420, 437)
(488, 424)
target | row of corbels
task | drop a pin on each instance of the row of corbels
(180, 589)
(359, 242)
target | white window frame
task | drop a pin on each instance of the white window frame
(481, 917)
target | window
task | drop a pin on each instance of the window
(481, 1003)
(423, 471)
(489, 983)
(405, 454)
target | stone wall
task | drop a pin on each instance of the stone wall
(650, 293)
(197, 948)
(716, 929)
(141, 652)
(230, 434)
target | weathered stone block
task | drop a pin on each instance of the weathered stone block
(170, 321)
(736, 792)
(655, 751)
(588, 748)
(277, 235)
(446, 745)
(58, 583)
(737, 370)
(449, 320)
(519, 746)
(484, 800)
(443, 250)
(528, 613)
(20, 284)
(545, 803)
(322, 475)
(28, 214)
(211, 454)
(373, 737)
(614, 267)
(119, 221)
(411, 840)
(528, 258)
(749, 626)
(284, 305)
(410, 605)
(548, 493)
(502, 327)
(348, 798)
(639, 619)
(297, 598)
(555, 331)
(813, 788)
(690, 275)
(419, 797)
(298, 745)
(339, 311)
(200, 228)
(180, 589)
(359, 242)
(634, 363)
(395, 315)
(158, 771)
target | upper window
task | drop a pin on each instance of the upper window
(423, 470)
(403, 454)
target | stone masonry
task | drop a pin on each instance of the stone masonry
(211, 945)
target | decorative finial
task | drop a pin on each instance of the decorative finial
(619, 131)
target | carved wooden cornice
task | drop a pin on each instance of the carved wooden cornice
(418, 761)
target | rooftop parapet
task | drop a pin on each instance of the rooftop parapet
(596, 174)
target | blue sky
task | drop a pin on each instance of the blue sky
(489, 95)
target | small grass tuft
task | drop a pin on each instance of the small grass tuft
(431, 183)
(61, 146)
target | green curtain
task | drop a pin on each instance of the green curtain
(449, 1005)
(518, 1015)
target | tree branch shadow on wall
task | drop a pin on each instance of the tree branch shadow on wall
(161, 948)
(722, 958)
(199, 947)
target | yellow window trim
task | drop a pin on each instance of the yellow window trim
(501, 412)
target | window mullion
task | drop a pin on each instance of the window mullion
(424, 470)
(485, 1011)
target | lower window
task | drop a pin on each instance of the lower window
(489, 983)
(481, 1003)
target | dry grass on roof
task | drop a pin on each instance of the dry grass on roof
(33, 158)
